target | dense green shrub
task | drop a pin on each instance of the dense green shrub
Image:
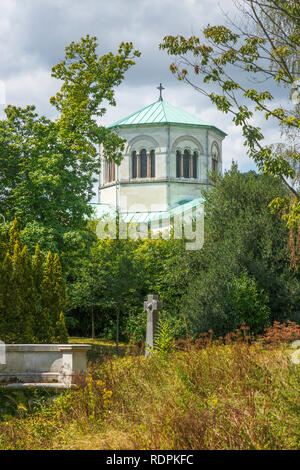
(241, 236)
(248, 304)
(32, 294)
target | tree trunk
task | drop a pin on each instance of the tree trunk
(93, 323)
(117, 331)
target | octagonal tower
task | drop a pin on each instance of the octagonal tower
(166, 161)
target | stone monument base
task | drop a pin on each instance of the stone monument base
(43, 365)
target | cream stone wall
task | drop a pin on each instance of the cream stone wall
(143, 197)
(108, 195)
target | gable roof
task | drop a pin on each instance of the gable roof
(161, 112)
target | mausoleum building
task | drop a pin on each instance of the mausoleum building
(167, 158)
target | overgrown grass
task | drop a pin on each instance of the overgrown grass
(101, 348)
(230, 396)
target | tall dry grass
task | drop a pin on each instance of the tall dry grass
(207, 395)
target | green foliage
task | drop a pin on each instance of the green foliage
(122, 275)
(266, 49)
(157, 257)
(61, 332)
(86, 293)
(164, 342)
(240, 236)
(197, 288)
(20, 403)
(135, 327)
(43, 179)
(32, 294)
(47, 166)
(17, 304)
(248, 304)
(106, 288)
(113, 280)
(88, 80)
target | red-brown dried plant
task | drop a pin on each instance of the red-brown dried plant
(281, 333)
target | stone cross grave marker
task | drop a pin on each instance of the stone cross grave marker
(152, 306)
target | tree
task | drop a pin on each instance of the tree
(38, 262)
(241, 236)
(88, 80)
(22, 285)
(32, 294)
(113, 280)
(159, 258)
(52, 301)
(248, 304)
(86, 292)
(47, 167)
(124, 278)
(268, 51)
(17, 289)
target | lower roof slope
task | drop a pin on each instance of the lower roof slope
(161, 112)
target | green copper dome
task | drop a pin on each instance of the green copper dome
(161, 112)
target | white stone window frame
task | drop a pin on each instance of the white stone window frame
(191, 151)
(138, 151)
(137, 144)
(193, 144)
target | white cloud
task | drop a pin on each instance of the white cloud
(33, 34)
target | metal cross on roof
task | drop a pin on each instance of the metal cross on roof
(160, 88)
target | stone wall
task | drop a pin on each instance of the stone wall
(48, 365)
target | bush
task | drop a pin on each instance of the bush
(241, 236)
(32, 294)
(248, 304)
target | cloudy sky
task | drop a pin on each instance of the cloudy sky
(33, 34)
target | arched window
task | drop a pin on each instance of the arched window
(215, 157)
(152, 158)
(195, 165)
(178, 163)
(186, 164)
(134, 164)
(143, 156)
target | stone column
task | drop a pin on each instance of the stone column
(191, 167)
(181, 164)
(138, 165)
(148, 165)
(152, 306)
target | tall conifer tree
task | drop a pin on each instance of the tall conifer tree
(32, 294)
